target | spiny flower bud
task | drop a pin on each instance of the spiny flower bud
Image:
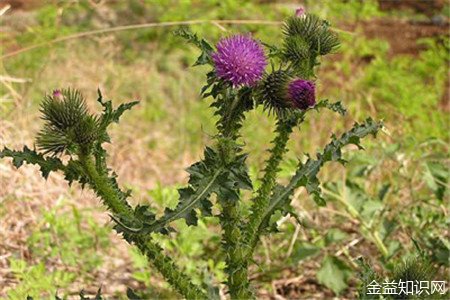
(274, 91)
(283, 92)
(315, 32)
(240, 60)
(67, 122)
(63, 108)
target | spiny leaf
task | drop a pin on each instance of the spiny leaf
(98, 295)
(111, 115)
(366, 275)
(75, 172)
(204, 180)
(335, 106)
(273, 50)
(47, 164)
(202, 44)
(207, 176)
(132, 295)
(306, 174)
(190, 199)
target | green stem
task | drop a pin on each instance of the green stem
(102, 185)
(180, 281)
(230, 219)
(237, 267)
(262, 199)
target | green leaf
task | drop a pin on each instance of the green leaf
(306, 174)
(335, 106)
(109, 114)
(202, 44)
(366, 275)
(46, 164)
(303, 250)
(383, 191)
(334, 235)
(210, 175)
(334, 274)
(131, 294)
(436, 176)
(370, 207)
(74, 172)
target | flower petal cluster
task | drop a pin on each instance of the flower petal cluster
(302, 93)
(239, 59)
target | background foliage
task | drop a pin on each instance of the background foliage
(391, 204)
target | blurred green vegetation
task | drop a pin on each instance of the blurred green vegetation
(394, 194)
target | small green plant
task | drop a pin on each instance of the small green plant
(72, 139)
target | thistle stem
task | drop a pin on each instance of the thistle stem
(237, 266)
(101, 184)
(262, 199)
(230, 220)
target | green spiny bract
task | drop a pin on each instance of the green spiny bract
(316, 33)
(306, 38)
(68, 124)
(217, 180)
(274, 93)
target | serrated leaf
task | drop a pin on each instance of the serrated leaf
(207, 176)
(335, 106)
(74, 172)
(46, 164)
(306, 174)
(190, 199)
(334, 274)
(109, 114)
(202, 44)
(203, 181)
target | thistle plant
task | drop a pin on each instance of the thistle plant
(244, 74)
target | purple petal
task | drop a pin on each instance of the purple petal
(240, 60)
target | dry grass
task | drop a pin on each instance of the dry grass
(145, 152)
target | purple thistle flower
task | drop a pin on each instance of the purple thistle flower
(57, 94)
(302, 93)
(300, 12)
(240, 60)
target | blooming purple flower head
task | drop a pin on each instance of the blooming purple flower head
(302, 93)
(240, 60)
